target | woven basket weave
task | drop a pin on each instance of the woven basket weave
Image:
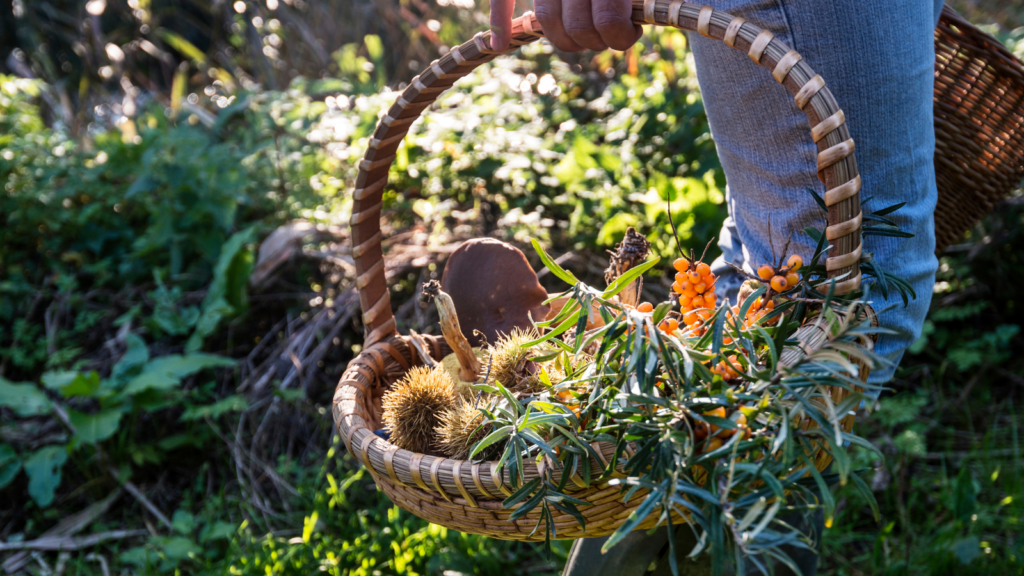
(979, 125)
(467, 495)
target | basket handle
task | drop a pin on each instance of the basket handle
(837, 167)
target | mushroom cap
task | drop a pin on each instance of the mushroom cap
(494, 289)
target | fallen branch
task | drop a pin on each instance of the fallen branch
(66, 527)
(70, 543)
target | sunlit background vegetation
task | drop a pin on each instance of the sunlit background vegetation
(176, 288)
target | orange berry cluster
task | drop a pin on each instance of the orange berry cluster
(695, 286)
(668, 325)
(727, 370)
(784, 278)
(757, 311)
(720, 435)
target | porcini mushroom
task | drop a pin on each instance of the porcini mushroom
(494, 288)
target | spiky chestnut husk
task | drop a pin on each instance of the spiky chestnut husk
(450, 364)
(413, 407)
(458, 431)
(511, 364)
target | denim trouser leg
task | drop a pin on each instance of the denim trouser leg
(878, 59)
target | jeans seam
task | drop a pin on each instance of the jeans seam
(790, 37)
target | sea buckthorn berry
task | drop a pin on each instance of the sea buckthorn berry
(704, 313)
(726, 340)
(765, 272)
(681, 277)
(755, 306)
(713, 444)
(779, 283)
(719, 412)
(677, 287)
(700, 287)
(740, 419)
(681, 264)
(692, 276)
(770, 305)
(685, 300)
(646, 308)
(703, 269)
(729, 366)
(691, 318)
(709, 299)
(697, 301)
(690, 292)
(795, 262)
(709, 278)
(792, 279)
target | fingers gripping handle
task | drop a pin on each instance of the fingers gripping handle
(837, 167)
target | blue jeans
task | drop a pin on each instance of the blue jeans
(878, 58)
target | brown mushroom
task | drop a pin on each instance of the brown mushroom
(494, 288)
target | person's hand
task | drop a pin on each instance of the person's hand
(572, 25)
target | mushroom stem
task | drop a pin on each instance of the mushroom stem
(469, 365)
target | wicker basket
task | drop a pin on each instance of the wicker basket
(467, 495)
(979, 125)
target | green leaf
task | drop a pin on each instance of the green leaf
(551, 265)
(626, 279)
(166, 372)
(178, 548)
(634, 520)
(25, 399)
(43, 470)
(967, 549)
(135, 356)
(93, 428)
(10, 464)
(491, 438)
(183, 522)
(72, 383)
(150, 380)
(182, 45)
(219, 530)
(233, 403)
(226, 295)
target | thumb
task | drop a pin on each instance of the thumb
(501, 23)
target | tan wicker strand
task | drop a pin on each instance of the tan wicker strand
(844, 228)
(808, 91)
(844, 261)
(842, 192)
(732, 30)
(782, 70)
(704, 20)
(414, 470)
(673, 12)
(828, 125)
(649, 11)
(759, 45)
